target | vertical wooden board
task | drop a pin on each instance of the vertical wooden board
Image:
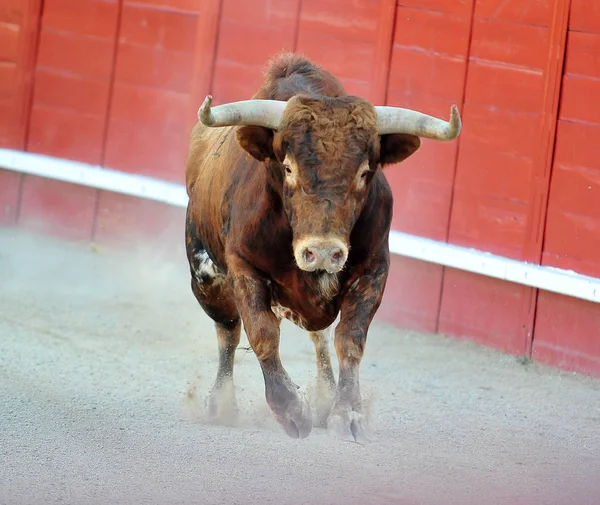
(573, 220)
(487, 311)
(573, 223)
(150, 109)
(18, 40)
(57, 208)
(9, 197)
(412, 295)
(427, 71)
(566, 333)
(125, 221)
(505, 80)
(73, 78)
(250, 33)
(508, 112)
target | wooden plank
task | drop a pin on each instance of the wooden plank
(73, 79)
(507, 91)
(540, 183)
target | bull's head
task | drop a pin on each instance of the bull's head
(325, 151)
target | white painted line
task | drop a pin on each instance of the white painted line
(94, 176)
(565, 282)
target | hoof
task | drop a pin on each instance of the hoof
(348, 425)
(296, 420)
(288, 405)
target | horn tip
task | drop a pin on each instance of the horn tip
(204, 110)
(455, 120)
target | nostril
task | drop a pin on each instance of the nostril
(309, 256)
(336, 257)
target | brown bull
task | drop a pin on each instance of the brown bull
(289, 214)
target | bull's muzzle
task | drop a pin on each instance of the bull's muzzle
(318, 253)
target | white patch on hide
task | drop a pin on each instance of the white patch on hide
(285, 313)
(206, 269)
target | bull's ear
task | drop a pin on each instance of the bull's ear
(396, 147)
(256, 141)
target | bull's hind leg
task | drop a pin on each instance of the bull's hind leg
(325, 379)
(213, 292)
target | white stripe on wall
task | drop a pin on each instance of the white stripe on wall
(94, 176)
(565, 282)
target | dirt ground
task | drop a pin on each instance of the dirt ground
(105, 362)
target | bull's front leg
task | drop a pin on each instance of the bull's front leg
(358, 307)
(288, 405)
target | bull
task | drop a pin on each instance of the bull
(288, 217)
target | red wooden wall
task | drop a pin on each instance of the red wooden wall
(19, 20)
(118, 83)
(566, 331)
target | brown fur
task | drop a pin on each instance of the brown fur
(255, 192)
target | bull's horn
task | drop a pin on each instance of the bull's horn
(267, 113)
(398, 120)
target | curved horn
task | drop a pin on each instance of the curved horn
(267, 113)
(398, 120)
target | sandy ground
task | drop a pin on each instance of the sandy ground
(105, 362)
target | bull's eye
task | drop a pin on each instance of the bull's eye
(361, 176)
(288, 170)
